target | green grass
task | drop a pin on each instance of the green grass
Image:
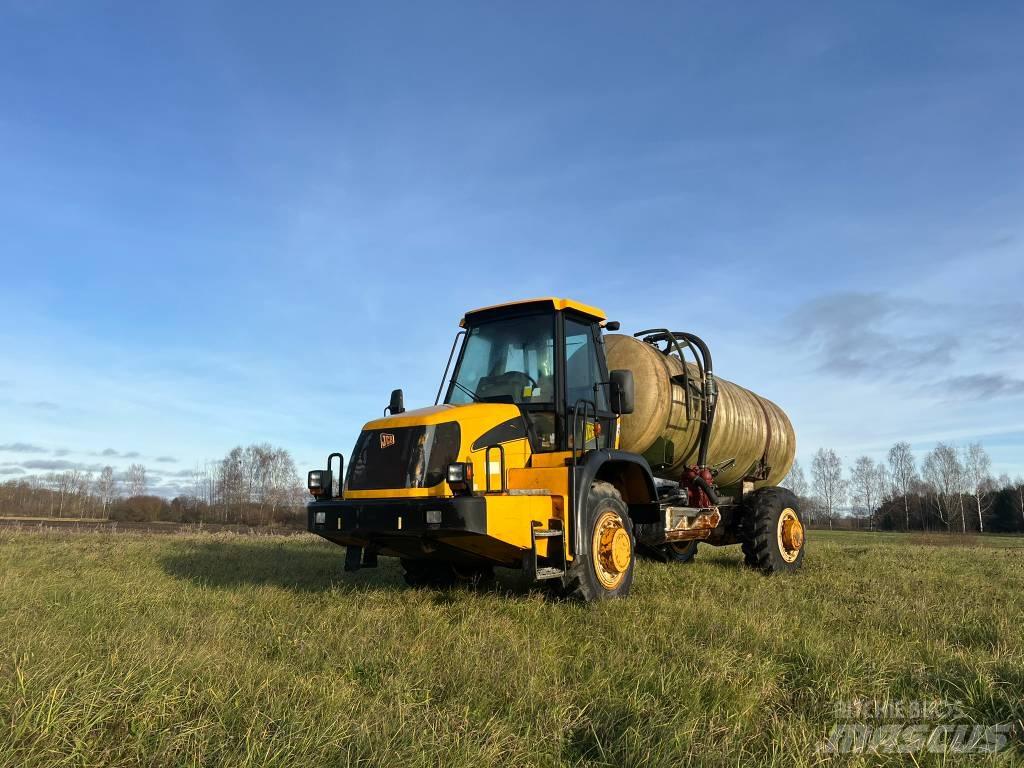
(226, 650)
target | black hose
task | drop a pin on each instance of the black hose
(705, 486)
(710, 396)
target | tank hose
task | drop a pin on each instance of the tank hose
(705, 486)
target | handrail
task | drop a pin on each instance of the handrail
(708, 387)
(341, 475)
(653, 335)
(575, 420)
(487, 467)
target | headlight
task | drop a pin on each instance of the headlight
(319, 482)
(320, 518)
(460, 477)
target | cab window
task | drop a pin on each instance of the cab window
(582, 371)
(507, 361)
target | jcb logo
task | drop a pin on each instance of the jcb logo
(386, 439)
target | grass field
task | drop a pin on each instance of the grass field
(249, 651)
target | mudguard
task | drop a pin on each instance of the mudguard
(608, 465)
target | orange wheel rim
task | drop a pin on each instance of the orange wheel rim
(790, 535)
(612, 550)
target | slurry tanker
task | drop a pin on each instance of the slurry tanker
(560, 447)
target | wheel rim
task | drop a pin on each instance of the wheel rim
(681, 547)
(612, 548)
(790, 535)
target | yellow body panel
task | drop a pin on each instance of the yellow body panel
(557, 303)
(474, 419)
(466, 415)
(555, 480)
(509, 518)
(552, 459)
(517, 454)
(440, 490)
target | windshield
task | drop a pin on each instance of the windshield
(507, 361)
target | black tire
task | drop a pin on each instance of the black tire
(766, 545)
(438, 574)
(683, 552)
(584, 580)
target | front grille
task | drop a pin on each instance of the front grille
(403, 457)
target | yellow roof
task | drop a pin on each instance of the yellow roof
(558, 304)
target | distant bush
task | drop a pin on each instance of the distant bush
(141, 509)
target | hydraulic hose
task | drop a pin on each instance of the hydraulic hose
(705, 486)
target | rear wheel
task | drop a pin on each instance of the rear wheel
(606, 572)
(772, 534)
(681, 551)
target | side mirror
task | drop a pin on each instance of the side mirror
(612, 325)
(620, 391)
(397, 404)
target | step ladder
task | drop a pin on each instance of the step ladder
(556, 540)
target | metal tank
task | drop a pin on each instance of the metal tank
(746, 429)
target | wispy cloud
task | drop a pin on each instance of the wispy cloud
(887, 337)
(867, 334)
(110, 453)
(11, 471)
(44, 405)
(166, 459)
(979, 386)
(54, 465)
(22, 448)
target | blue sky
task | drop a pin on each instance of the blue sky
(234, 222)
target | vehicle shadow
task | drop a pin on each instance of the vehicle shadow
(234, 564)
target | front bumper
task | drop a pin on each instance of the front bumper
(372, 518)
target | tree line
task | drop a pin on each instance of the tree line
(951, 489)
(254, 485)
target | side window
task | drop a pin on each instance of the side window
(581, 369)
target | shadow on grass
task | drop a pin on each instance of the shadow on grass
(298, 568)
(233, 564)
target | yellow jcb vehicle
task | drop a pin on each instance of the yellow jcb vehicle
(564, 449)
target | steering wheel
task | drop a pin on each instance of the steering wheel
(524, 374)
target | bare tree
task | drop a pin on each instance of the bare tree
(257, 484)
(827, 478)
(1019, 488)
(63, 485)
(867, 485)
(82, 497)
(136, 480)
(944, 472)
(106, 488)
(903, 473)
(977, 469)
(796, 481)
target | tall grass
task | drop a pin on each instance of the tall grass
(201, 650)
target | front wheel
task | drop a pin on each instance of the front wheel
(606, 571)
(771, 533)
